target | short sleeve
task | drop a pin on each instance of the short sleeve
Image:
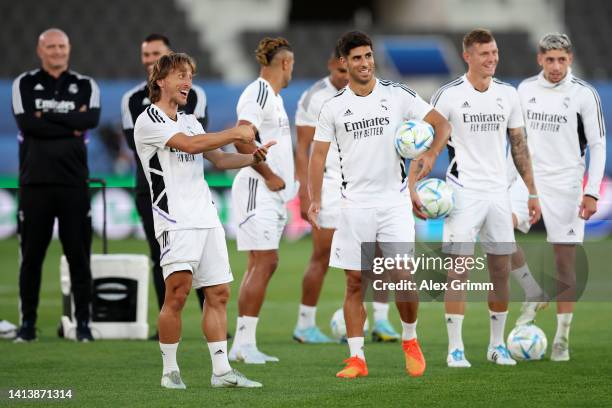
(440, 103)
(252, 103)
(155, 133)
(516, 119)
(414, 107)
(326, 128)
(303, 115)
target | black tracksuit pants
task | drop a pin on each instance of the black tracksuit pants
(38, 207)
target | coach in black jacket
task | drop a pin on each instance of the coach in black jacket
(54, 107)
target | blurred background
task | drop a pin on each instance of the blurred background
(416, 41)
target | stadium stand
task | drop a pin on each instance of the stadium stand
(313, 43)
(588, 23)
(102, 33)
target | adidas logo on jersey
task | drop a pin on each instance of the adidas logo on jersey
(348, 112)
(39, 87)
(532, 100)
(571, 232)
(466, 104)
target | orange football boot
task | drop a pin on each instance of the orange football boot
(355, 367)
(415, 361)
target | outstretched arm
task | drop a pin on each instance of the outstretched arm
(225, 161)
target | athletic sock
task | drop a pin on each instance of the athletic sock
(356, 347)
(454, 322)
(498, 324)
(381, 311)
(306, 317)
(239, 334)
(168, 352)
(218, 356)
(250, 330)
(533, 291)
(564, 321)
(409, 330)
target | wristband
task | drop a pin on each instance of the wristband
(533, 196)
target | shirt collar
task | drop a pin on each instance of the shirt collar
(547, 84)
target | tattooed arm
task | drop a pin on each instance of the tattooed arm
(522, 161)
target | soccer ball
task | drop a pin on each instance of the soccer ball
(412, 138)
(436, 196)
(527, 342)
(338, 326)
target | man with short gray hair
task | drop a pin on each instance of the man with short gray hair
(563, 117)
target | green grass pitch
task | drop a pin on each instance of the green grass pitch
(127, 373)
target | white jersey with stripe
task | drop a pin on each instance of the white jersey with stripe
(307, 113)
(180, 196)
(562, 119)
(260, 106)
(478, 142)
(364, 127)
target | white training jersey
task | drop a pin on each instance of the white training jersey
(307, 113)
(562, 119)
(371, 172)
(180, 196)
(478, 142)
(259, 105)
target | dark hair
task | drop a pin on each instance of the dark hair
(477, 36)
(269, 47)
(336, 53)
(157, 37)
(352, 39)
(163, 67)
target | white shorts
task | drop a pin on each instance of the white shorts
(360, 225)
(330, 205)
(202, 251)
(475, 216)
(560, 209)
(519, 195)
(261, 215)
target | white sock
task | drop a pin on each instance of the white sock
(250, 329)
(564, 320)
(356, 347)
(409, 330)
(531, 288)
(239, 334)
(454, 322)
(498, 324)
(381, 311)
(218, 356)
(168, 352)
(306, 316)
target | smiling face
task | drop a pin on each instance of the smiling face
(360, 64)
(53, 50)
(176, 85)
(150, 52)
(555, 64)
(482, 58)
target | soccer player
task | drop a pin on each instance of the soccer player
(170, 144)
(309, 106)
(260, 192)
(564, 117)
(483, 112)
(133, 103)
(54, 107)
(361, 120)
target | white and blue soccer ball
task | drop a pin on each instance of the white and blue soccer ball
(436, 196)
(527, 342)
(413, 137)
(338, 325)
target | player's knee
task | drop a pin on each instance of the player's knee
(353, 285)
(218, 296)
(177, 297)
(320, 259)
